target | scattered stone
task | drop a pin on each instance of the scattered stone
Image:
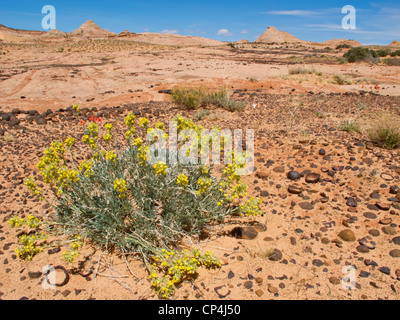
(293, 175)
(385, 221)
(276, 255)
(279, 169)
(231, 275)
(396, 241)
(389, 230)
(313, 177)
(262, 174)
(272, 289)
(35, 274)
(295, 189)
(383, 206)
(306, 206)
(334, 280)
(248, 284)
(347, 235)
(351, 202)
(317, 263)
(54, 250)
(362, 249)
(247, 233)
(370, 215)
(395, 253)
(385, 270)
(259, 292)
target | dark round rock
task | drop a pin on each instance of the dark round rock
(351, 202)
(396, 240)
(322, 152)
(276, 255)
(313, 177)
(293, 175)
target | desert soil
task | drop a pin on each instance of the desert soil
(299, 250)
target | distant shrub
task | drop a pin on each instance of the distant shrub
(343, 46)
(395, 53)
(392, 61)
(360, 54)
(302, 70)
(383, 53)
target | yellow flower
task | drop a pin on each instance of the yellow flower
(160, 168)
(69, 142)
(182, 180)
(120, 186)
(144, 123)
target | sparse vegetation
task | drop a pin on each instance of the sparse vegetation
(341, 80)
(384, 130)
(194, 98)
(392, 61)
(349, 126)
(201, 114)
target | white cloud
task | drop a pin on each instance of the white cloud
(306, 13)
(244, 31)
(224, 32)
(173, 31)
(293, 13)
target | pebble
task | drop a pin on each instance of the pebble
(248, 284)
(35, 274)
(312, 177)
(395, 253)
(295, 189)
(272, 289)
(385, 270)
(389, 230)
(334, 280)
(351, 202)
(396, 241)
(347, 235)
(279, 169)
(259, 292)
(275, 256)
(306, 206)
(247, 233)
(293, 175)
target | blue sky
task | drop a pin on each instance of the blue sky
(315, 20)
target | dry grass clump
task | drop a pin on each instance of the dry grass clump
(195, 98)
(384, 130)
(349, 126)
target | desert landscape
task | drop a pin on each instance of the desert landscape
(328, 178)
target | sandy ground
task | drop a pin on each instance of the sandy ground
(291, 125)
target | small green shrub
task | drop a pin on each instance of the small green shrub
(343, 46)
(383, 53)
(395, 53)
(360, 54)
(119, 201)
